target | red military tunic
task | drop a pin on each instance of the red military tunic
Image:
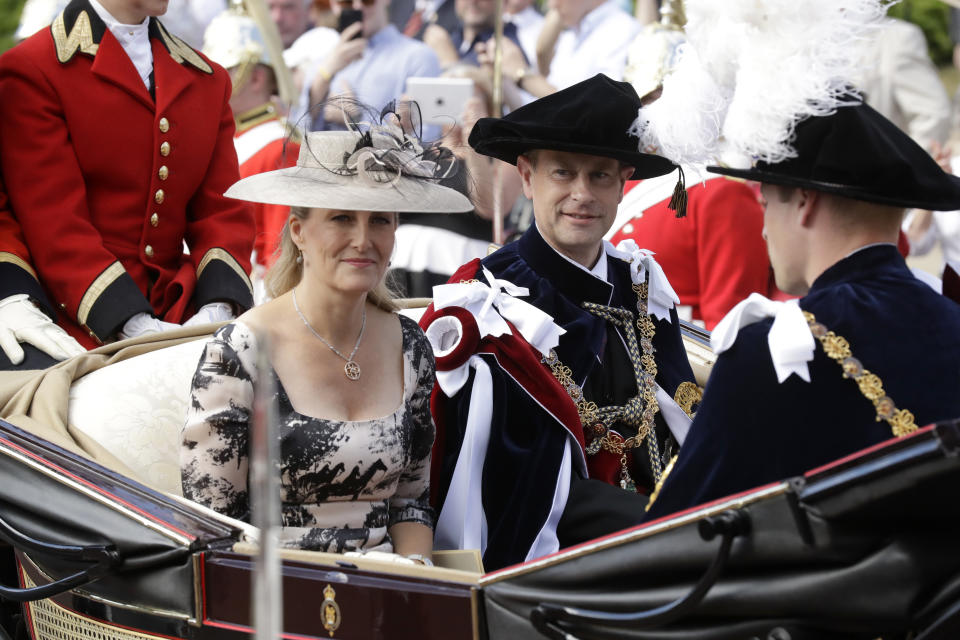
(263, 144)
(716, 255)
(108, 182)
(16, 271)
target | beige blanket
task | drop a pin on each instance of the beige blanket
(37, 400)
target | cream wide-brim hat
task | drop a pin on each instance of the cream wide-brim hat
(315, 182)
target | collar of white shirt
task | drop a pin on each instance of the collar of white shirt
(134, 38)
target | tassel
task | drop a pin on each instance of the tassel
(678, 202)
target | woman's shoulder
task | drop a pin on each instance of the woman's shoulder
(416, 347)
(231, 351)
(236, 334)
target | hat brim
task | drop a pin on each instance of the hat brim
(848, 191)
(312, 187)
(508, 148)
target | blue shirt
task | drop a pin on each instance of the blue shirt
(468, 50)
(380, 74)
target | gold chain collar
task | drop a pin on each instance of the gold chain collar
(837, 348)
(592, 417)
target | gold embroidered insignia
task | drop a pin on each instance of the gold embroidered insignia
(180, 51)
(80, 37)
(330, 610)
(687, 395)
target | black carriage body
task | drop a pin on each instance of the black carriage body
(866, 547)
(177, 575)
(863, 548)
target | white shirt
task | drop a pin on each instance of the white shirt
(944, 229)
(598, 270)
(598, 44)
(528, 22)
(133, 38)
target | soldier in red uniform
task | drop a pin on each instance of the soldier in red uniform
(715, 256)
(28, 337)
(263, 138)
(117, 148)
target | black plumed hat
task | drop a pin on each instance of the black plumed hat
(590, 117)
(857, 153)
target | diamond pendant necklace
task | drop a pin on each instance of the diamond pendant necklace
(351, 369)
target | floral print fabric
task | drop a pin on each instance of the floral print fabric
(343, 483)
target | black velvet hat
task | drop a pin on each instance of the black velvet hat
(858, 153)
(590, 117)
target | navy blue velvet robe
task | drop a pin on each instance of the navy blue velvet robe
(526, 444)
(751, 430)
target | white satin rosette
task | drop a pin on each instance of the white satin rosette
(660, 295)
(492, 304)
(790, 342)
(462, 523)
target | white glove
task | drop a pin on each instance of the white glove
(382, 556)
(143, 324)
(22, 321)
(211, 312)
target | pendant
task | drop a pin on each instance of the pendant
(626, 482)
(351, 370)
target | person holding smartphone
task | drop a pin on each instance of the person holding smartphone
(369, 64)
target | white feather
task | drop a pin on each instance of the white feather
(750, 71)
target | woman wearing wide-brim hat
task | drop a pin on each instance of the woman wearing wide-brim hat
(353, 377)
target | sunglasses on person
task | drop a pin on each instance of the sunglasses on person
(345, 4)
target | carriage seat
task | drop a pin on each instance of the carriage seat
(136, 408)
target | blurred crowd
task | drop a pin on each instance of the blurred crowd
(340, 55)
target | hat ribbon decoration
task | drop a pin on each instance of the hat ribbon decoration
(385, 152)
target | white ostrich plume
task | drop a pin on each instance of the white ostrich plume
(750, 71)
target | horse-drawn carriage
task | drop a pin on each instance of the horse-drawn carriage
(862, 548)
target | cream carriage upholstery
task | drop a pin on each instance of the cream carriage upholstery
(135, 409)
(131, 400)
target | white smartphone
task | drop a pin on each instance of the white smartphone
(441, 100)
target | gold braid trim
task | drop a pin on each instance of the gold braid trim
(252, 117)
(837, 348)
(659, 485)
(221, 254)
(96, 289)
(18, 261)
(80, 37)
(180, 51)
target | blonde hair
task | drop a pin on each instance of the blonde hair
(286, 272)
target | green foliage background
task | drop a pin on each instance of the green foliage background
(9, 17)
(933, 16)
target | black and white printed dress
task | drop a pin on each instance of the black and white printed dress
(343, 483)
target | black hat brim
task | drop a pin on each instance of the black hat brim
(913, 202)
(509, 148)
(857, 153)
(591, 117)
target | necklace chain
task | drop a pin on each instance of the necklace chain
(351, 369)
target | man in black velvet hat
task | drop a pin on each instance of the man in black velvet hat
(869, 353)
(559, 358)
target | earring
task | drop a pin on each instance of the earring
(299, 256)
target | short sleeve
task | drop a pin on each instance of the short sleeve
(214, 453)
(411, 501)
